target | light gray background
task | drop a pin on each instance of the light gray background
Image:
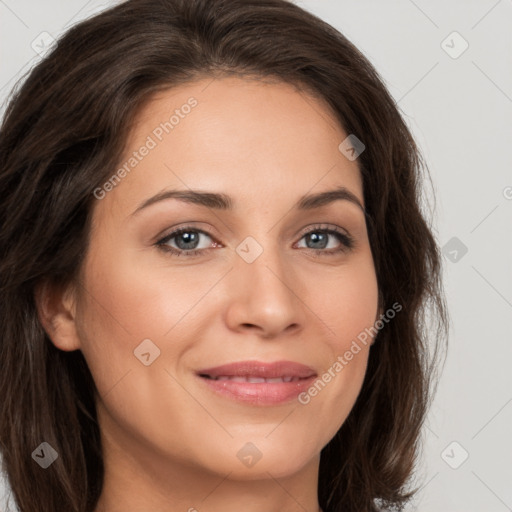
(460, 111)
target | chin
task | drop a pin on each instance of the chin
(260, 458)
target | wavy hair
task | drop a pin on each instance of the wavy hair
(62, 135)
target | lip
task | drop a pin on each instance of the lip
(260, 369)
(259, 393)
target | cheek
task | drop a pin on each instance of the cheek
(140, 301)
(348, 307)
(127, 302)
(345, 300)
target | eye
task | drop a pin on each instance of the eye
(187, 241)
(320, 238)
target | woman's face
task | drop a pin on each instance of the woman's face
(262, 278)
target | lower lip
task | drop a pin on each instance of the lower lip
(259, 393)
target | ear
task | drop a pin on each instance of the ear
(56, 308)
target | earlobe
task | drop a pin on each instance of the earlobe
(56, 308)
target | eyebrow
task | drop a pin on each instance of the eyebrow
(221, 201)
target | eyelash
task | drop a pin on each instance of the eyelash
(347, 242)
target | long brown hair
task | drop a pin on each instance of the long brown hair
(62, 136)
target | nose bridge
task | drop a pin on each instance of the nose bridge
(263, 261)
(264, 292)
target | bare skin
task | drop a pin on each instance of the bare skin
(171, 443)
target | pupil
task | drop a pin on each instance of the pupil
(190, 239)
(322, 238)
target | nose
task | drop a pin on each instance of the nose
(262, 298)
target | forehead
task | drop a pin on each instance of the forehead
(249, 138)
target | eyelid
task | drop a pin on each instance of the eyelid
(192, 226)
(323, 227)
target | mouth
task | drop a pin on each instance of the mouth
(259, 383)
(253, 379)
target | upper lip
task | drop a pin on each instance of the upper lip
(259, 369)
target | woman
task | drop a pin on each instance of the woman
(214, 269)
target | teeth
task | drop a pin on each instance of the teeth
(257, 380)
